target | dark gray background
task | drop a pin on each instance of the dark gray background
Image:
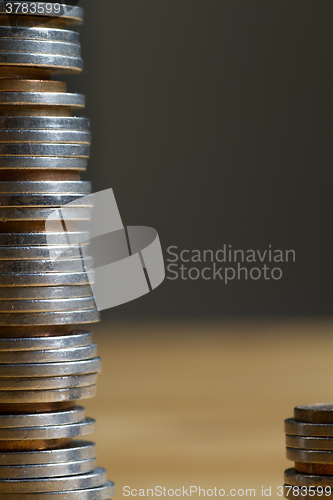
(212, 122)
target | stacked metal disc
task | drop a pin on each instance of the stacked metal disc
(47, 364)
(309, 440)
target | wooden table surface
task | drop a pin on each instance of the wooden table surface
(203, 404)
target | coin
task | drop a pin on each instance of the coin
(39, 292)
(321, 413)
(43, 253)
(42, 163)
(39, 214)
(76, 414)
(310, 456)
(78, 338)
(297, 479)
(47, 279)
(47, 470)
(93, 479)
(83, 428)
(59, 35)
(32, 306)
(44, 136)
(52, 123)
(23, 201)
(105, 492)
(50, 356)
(46, 383)
(55, 123)
(49, 318)
(44, 149)
(46, 238)
(35, 47)
(295, 428)
(31, 370)
(309, 443)
(46, 266)
(38, 187)
(75, 101)
(55, 305)
(49, 396)
(65, 63)
(76, 451)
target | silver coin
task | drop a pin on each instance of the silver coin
(36, 149)
(50, 355)
(70, 13)
(46, 187)
(32, 306)
(75, 452)
(48, 396)
(84, 428)
(78, 338)
(40, 98)
(64, 64)
(31, 370)
(46, 266)
(42, 163)
(295, 428)
(51, 304)
(46, 238)
(56, 123)
(295, 478)
(309, 443)
(39, 292)
(47, 279)
(43, 253)
(47, 470)
(40, 33)
(44, 136)
(73, 416)
(45, 200)
(93, 479)
(310, 456)
(105, 492)
(42, 214)
(47, 383)
(49, 47)
(50, 318)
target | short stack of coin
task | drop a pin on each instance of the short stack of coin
(309, 440)
(47, 364)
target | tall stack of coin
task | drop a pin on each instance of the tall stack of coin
(309, 440)
(47, 363)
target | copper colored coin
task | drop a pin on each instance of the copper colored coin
(295, 428)
(318, 469)
(310, 456)
(321, 413)
(294, 478)
(309, 443)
